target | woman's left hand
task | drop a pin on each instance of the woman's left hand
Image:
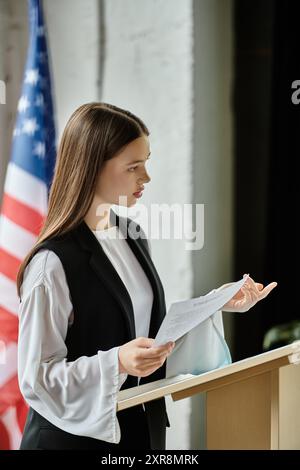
(251, 293)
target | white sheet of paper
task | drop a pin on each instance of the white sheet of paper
(184, 315)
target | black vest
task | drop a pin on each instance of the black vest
(103, 312)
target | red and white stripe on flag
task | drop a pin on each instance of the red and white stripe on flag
(24, 207)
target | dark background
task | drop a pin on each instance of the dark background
(267, 151)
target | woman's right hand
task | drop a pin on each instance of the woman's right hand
(140, 359)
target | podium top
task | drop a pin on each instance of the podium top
(192, 384)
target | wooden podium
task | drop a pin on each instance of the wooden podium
(250, 404)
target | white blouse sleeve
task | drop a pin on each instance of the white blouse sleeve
(79, 396)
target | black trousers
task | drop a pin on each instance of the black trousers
(40, 434)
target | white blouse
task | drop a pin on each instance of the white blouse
(78, 396)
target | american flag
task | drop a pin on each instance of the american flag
(24, 207)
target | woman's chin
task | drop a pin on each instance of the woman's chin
(132, 203)
(129, 203)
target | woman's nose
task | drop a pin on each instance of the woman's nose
(146, 179)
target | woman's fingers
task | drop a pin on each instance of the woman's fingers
(260, 289)
(148, 362)
(266, 291)
(238, 295)
(250, 293)
(251, 297)
(149, 366)
(246, 298)
(154, 352)
(251, 284)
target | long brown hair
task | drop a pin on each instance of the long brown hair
(95, 133)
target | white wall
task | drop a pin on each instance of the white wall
(148, 69)
(74, 44)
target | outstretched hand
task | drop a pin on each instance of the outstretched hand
(251, 293)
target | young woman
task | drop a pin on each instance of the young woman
(91, 301)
